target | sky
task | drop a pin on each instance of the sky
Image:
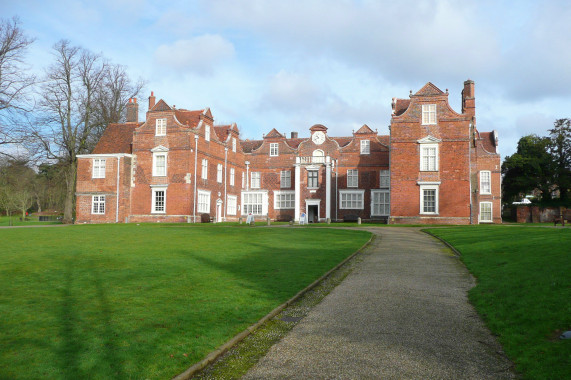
(292, 64)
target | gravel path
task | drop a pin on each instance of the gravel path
(402, 313)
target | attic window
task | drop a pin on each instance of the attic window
(161, 127)
(233, 144)
(365, 146)
(428, 114)
(207, 132)
(274, 149)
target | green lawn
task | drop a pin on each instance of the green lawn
(146, 301)
(523, 291)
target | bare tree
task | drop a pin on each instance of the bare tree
(14, 82)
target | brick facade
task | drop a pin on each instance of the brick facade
(177, 165)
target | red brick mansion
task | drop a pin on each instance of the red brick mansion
(435, 167)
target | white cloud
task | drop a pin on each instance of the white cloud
(200, 54)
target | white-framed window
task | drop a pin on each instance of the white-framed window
(274, 149)
(207, 132)
(365, 146)
(285, 179)
(312, 179)
(486, 212)
(204, 168)
(318, 157)
(243, 180)
(380, 203)
(351, 199)
(429, 199)
(254, 202)
(161, 127)
(429, 157)
(203, 201)
(98, 204)
(284, 200)
(99, 168)
(256, 180)
(485, 182)
(232, 205)
(384, 178)
(159, 200)
(159, 164)
(233, 144)
(352, 178)
(428, 114)
(232, 176)
(219, 173)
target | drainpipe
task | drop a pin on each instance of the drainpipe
(225, 180)
(336, 190)
(195, 164)
(117, 205)
(470, 169)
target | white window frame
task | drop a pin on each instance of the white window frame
(428, 114)
(256, 180)
(202, 206)
(154, 208)
(365, 146)
(285, 179)
(274, 149)
(98, 204)
(260, 208)
(384, 179)
(233, 144)
(99, 166)
(485, 182)
(431, 165)
(352, 178)
(480, 214)
(160, 127)
(207, 132)
(204, 174)
(232, 205)
(219, 173)
(232, 176)
(156, 172)
(284, 200)
(386, 193)
(436, 189)
(354, 204)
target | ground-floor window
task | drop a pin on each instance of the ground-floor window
(486, 212)
(284, 200)
(232, 204)
(351, 199)
(429, 199)
(254, 202)
(380, 203)
(98, 204)
(159, 199)
(203, 201)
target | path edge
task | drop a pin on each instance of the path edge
(454, 250)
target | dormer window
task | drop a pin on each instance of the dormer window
(428, 114)
(274, 149)
(161, 127)
(365, 146)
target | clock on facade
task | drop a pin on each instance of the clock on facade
(318, 137)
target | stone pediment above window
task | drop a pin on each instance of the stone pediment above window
(160, 148)
(429, 140)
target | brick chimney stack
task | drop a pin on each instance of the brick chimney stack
(132, 111)
(468, 98)
(294, 135)
(151, 100)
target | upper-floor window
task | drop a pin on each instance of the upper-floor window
(485, 182)
(256, 179)
(207, 132)
(233, 144)
(352, 178)
(161, 127)
(429, 157)
(385, 179)
(98, 168)
(285, 179)
(232, 176)
(313, 179)
(159, 164)
(219, 173)
(365, 146)
(428, 114)
(204, 169)
(273, 149)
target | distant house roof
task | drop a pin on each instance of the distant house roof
(249, 145)
(342, 141)
(190, 118)
(117, 138)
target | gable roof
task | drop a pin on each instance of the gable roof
(429, 90)
(365, 130)
(222, 131)
(161, 106)
(273, 133)
(117, 138)
(190, 118)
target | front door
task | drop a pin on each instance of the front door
(312, 213)
(219, 211)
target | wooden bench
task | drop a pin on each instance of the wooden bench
(564, 216)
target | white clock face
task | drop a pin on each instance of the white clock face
(318, 137)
